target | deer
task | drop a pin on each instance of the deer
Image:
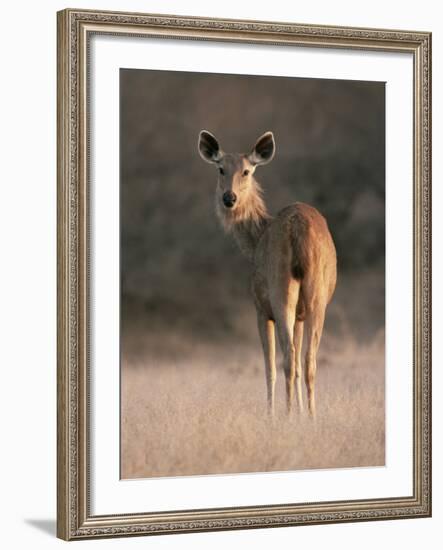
(293, 259)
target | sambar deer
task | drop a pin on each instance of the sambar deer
(293, 258)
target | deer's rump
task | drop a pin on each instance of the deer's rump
(296, 245)
(307, 249)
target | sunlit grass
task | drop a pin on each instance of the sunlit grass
(207, 415)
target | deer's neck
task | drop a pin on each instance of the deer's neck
(247, 221)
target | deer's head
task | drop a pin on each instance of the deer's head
(235, 170)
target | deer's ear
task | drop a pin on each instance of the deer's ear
(208, 147)
(264, 150)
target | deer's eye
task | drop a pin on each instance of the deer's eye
(222, 172)
(245, 173)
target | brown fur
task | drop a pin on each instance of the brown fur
(294, 264)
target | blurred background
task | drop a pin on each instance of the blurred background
(193, 390)
(178, 268)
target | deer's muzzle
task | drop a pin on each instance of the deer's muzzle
(229, 199)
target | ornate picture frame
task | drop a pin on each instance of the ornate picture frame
(75, 519)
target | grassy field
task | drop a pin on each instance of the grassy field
(203, 411)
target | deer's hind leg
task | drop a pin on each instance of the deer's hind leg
(314, 325)
(284, 302)
(298, 342)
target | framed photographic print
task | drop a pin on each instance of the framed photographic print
(243, 274)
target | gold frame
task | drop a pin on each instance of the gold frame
(74, 520)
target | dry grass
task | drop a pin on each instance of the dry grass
(207, 415)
